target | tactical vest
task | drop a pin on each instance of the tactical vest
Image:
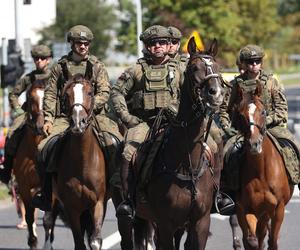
(69, 70)
(158, 86)
(250, 85)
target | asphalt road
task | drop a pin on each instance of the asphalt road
(11, 238)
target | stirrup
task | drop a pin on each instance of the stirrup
(226, 209)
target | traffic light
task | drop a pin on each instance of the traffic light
(14, 69)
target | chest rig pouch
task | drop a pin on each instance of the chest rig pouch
(69, 70)
(159, 88)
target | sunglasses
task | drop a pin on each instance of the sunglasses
(36, 58)
(174, 41)
(157, 41)
(83, 43)
(252, 61)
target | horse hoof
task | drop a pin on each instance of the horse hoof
(253, 242)
(237, 244)
(95, 245)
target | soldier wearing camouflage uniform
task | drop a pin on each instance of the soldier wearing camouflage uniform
(41, 55)
(77, 61)
(140, 92)
(251, 57)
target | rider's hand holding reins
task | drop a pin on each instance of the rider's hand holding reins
(47, 128)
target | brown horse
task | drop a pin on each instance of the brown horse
(265, 189)
(185, 175)
(81, 171)
(24, 162)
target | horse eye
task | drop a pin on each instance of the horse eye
(90, 93)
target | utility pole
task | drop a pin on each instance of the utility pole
(5, 89)
(18, 25)
(139, 27)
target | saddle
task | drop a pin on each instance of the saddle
(287, 150)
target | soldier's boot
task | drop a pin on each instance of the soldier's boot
(43, 198)
(5, 172)
(126, 206)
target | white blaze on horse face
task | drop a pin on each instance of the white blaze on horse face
(40, 94)
(251, 110)
(78, 99)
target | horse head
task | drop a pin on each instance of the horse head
(78, 96)
(203, 74)
(34, 105)
(251, 117)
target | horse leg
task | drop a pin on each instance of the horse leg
(143, 234)
(32, 235)
(98, 216)
(276, 222)
(165, 237)
(235, 238)
(198, 233)
(177, 237)
(75, 225)
(261, 231)
(125, 224)
(49, 223)
(249, 238)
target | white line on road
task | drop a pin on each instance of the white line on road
(111, 240)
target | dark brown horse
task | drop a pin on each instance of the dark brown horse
(186, 173)
(24, 162)
(81, 172)
(265, 189)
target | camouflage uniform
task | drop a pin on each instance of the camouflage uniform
(53, 101)
(15, 132)
(274, 101)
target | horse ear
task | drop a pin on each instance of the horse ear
(213, 49)
(258, 90)
(192, 47)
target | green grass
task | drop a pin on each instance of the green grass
(3, 192)
(295, 81)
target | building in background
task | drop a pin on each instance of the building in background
(32, 17)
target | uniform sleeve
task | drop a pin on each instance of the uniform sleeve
(279, 112)
(50, 96)
(226, 106)
(120, 91)
(102, 87)
(19, 88)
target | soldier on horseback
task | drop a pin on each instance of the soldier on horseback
(140, 93)
(41, 55)
(251, 59)
(79, 60)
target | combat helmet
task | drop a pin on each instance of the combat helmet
(41, 51)
(175, 33)
(251, 51)
(153, 32)
(80, 33)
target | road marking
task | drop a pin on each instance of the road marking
(111, 240)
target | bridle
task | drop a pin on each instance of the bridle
(89, 111)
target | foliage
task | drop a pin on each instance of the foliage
(95, 14)
(233, 22)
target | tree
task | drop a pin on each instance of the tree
(95, 14)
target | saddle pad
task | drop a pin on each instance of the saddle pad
(289, 156)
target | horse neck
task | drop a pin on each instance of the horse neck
(83, 140)
(189, 137)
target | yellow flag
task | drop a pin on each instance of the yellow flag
(198, 41)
